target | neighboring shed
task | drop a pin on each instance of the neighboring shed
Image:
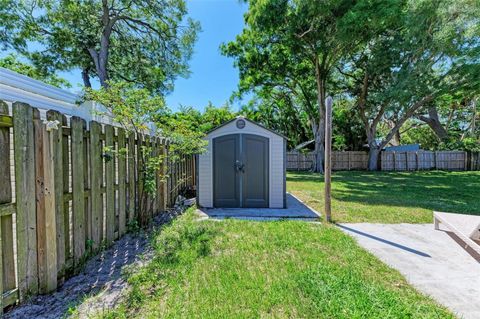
(403, 148)
(244, 166)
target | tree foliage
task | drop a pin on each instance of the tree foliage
(293, 47)
(144, 42)
(391, 61)
(430, 50)
(12, 63)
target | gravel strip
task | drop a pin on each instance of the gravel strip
(100, 281)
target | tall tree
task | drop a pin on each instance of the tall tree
(144, 42)
(431, 49)
(295, 44)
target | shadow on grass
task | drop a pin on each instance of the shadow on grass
(457, 192)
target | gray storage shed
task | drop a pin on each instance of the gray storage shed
(244, 166)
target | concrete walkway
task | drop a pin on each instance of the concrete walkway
(435, 262)
(295, 210)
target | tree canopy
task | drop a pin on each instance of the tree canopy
(389, 60)
(294, 46)
(147, 43)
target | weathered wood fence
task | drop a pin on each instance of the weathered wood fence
(424, 160)
(63, 196)
(391, 161)
(352, 160)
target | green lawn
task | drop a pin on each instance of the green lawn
(284, 269)
(396, 197)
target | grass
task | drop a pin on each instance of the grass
(390, 197)
(284, 269)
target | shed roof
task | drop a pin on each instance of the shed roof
(250, 121)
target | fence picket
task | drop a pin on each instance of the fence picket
(25, 199)
(121, 182)
(57, 149)
(66, 160)
(78, 188)
(163, 188)
(109, 187)
(141, 205)
(45, 207)
(96, 180)
(131, 176)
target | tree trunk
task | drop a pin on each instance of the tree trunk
(319, 136)
(100, 68)
(434, 123)
(395, 141)
(103, 60)
(373, 158)
(373, 148)
(86, 78)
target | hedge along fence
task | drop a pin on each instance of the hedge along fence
(62, 197)
(391, 161)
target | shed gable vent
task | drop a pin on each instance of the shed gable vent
(240, 124)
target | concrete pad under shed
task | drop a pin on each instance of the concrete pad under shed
(296, 209)
(435, 262)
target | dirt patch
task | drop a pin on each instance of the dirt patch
(99, 285)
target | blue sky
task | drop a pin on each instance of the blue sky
(213, 76)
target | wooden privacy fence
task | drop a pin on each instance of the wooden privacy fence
(64, 194)
(391, 161)
(352, 160)
(424, 160)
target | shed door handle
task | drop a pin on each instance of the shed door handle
(239, 166)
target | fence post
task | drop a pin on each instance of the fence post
(394, 161)
(45, 204)
(25, 199)
(435, 158)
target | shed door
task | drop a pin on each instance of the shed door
(226, 180)
(240, 171)
(255, 171)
